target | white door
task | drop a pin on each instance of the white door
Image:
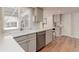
(56, 23)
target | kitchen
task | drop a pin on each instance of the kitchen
(31, 29)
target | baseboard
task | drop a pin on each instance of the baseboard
(71, 36)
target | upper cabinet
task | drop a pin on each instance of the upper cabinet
(38, 14)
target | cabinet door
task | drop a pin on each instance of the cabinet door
(40, 40)
(38, 14)
(48, 36)
(32, 45)
(25, 45)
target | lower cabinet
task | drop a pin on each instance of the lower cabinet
(32, 45)
(40, 40)
(36, 41)
(27, 42)
(48, 36)
(29, 46)
(24, 45)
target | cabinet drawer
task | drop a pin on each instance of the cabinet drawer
(24, 37)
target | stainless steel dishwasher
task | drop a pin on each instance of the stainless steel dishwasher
(40, 40)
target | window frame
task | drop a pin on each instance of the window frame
(9, 28)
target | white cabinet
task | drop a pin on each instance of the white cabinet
(27, 42)
(48, 36)
(38, 14)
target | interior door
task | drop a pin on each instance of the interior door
(56, 24)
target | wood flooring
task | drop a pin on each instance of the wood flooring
(62, 44)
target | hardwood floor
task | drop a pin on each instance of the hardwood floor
(62, 44)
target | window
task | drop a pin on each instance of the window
(11, 23)
(10, 16)
(16, 18)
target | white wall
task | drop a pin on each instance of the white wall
(75, 25)
(66, 22)
(70, 22)
(1, 22)
(71, 25)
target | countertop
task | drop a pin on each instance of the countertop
(26, 32)
(8, 44)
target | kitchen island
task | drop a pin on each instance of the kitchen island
(31, 39)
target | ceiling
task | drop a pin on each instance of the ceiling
(53, 10)
(62, 10)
